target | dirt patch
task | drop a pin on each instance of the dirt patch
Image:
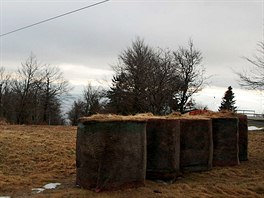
(32, 156)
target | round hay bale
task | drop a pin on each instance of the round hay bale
(243, 137)
(163, 148)
(196, 144)
(225, 139)
(110, 153)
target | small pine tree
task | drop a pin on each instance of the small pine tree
(228, 102)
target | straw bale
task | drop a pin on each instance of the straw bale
(242, 129)
(243, 137)
(163, 148)
(225, 139)
(196, 144)
(111, 155)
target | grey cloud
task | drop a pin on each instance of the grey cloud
(223, 31)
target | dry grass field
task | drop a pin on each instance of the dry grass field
(32, 156)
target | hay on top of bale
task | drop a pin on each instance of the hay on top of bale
(114, 118)
(211, 114)
(141, 117)
(174, 114)
(198, 112)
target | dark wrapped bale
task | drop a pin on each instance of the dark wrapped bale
(111, 153)
(243, 137)
(225, 138)
(196, 144)
(163, 149)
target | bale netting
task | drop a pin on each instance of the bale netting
(163, 149)
(111, 152)
(225, 139)
(243, 137)
(196, 144)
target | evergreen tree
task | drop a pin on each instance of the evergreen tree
(121, 96)
(228, 102)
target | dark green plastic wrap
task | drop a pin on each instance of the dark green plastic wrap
(196, 144)
(163, 149)
(225, 137)
(243, 137)
(111, 154)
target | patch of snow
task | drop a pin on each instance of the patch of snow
(38, 190)
(51, 185)
(45, 187)
(5, 197)
(253, 128)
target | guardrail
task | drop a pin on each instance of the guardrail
(251, 113)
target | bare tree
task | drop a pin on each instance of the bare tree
(53, 86)
(38, 90)
(188, 62)
(146, 80)
(24, 85)
(76, 111)
(163, 83)
(92, 97)
(128, 93)
(136, 63)
(157, 81)
(4, 91)
(254, 77)
(90, 103)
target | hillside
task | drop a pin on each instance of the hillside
(32, 156)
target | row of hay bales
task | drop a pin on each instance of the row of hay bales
(113, 151)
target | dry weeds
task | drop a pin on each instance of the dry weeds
(32, 156)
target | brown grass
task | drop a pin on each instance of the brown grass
(32, 156)
(3, 121)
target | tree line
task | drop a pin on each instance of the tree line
(146, 79)
(33, 94)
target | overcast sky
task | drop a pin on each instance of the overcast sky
(85, 44)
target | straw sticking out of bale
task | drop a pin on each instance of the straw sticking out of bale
(112, 118)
